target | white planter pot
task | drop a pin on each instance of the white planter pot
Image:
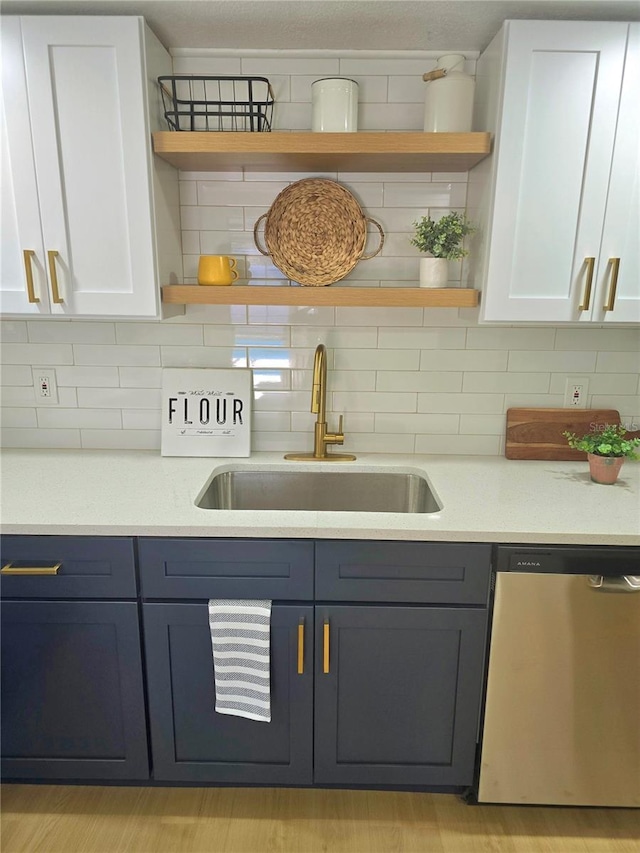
(434, 272)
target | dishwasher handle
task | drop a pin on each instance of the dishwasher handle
(623, 583)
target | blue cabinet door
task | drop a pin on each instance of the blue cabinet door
(190, 741)
(397, 695)
(72, 694)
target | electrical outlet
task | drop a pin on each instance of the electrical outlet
(46, 386)
(575, 393)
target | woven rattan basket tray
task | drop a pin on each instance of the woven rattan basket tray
(315, 232)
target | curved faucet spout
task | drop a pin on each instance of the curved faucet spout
(321, 435)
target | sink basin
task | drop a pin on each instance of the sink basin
(335, 491)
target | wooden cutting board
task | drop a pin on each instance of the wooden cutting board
(537, 433)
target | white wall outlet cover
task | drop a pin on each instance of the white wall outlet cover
(206, 411)
(576, 391)
(45, 386)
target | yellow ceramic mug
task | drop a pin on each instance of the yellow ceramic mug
(216, 269)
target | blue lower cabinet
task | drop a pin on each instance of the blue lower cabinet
(72, 691)
(193, 743)
(397, 695)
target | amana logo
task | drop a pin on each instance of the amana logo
(528, 563)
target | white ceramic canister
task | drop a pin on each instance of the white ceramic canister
(448, 103)
(334, 105)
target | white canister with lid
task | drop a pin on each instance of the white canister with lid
(334, 105)
(448, 104)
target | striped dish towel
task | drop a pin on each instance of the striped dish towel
(240, 638)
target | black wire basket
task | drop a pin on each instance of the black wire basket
(217, 103)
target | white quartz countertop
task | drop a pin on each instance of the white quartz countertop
(484, 499)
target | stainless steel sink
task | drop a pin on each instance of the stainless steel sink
(335, 491)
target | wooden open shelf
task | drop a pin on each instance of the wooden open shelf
(444, 297)
(311, 152)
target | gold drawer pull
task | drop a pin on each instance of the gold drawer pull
(614, 263)
(28, 271)
(10, 569)
(55, 290)
(301, 647)
(325, 648)
(586, 301)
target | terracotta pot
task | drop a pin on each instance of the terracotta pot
(604, 469)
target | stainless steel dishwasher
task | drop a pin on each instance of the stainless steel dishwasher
(562, 714)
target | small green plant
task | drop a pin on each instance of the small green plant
(608, 440)
(441, 238)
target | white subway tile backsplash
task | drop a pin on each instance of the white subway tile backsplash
(13, 331)
(212, 218)
(203, 356)
(119, 398)
(121, 439)
(48, 354)
(616, 340)
(16, 374)
(375, 359)
(18, 418)
(463, 445)
(79, 418)
(57, 439)
(219, 193)
(430, 380)
(141, 419)
(375, 401)
(433, 381)
(534, 383)
(87, 377)
(140, 377)
(424, 338)
(462, 403)
(158, 333)
(423, 196)
(54, 331)
(463, 360)
(618, 362)
(573, 362)
(354, 337)
(121, 355)
(417, 424)
(489, 337)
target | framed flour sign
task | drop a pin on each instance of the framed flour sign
(206, 411)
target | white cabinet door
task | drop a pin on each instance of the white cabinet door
(561, 91)
(619, 301)
(86, 80)
(20, 232)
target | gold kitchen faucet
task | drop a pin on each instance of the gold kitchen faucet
(321, 437)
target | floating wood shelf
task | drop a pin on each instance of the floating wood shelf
(310, 152)
(444, 297)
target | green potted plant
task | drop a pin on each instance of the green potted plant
(440, 240)
(606, 447)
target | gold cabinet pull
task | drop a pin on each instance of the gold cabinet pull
(614, 263)
(28, 271)
(301, 647)
(10, 569)
(586, 298)
(325, 648)
(55, 290)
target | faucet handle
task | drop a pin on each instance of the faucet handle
(340, 422)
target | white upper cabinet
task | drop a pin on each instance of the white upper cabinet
(77, 167)
(558, 205)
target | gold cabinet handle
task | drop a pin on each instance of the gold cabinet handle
(10, 569)
(301, 647)
(586, 298)
(325, 648)
(55, 290)
(28, 271)
(614, 263)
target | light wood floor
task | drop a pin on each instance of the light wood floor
(68, 819)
